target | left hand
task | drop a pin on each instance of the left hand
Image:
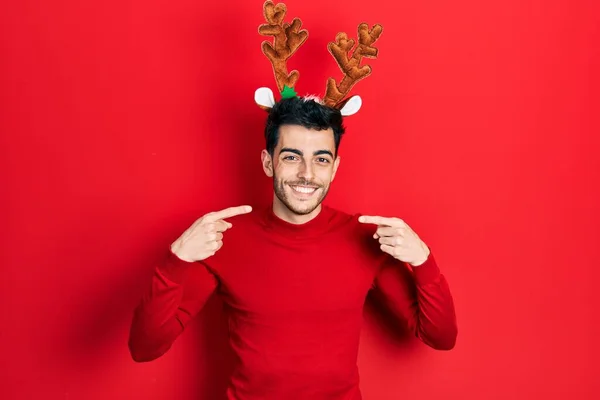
(398, 239)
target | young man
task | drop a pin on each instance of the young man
(294, 276)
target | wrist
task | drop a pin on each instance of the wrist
(423, 259)
(427, 272)
(174, 267)
(177, 252)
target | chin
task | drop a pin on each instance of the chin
(303, 206)
(302, 209)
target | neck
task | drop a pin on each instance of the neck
(281, 211)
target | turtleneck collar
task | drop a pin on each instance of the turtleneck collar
(313, 228)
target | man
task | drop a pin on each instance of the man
(294, 276)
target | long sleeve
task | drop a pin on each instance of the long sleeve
(177, 292)
(421, 299)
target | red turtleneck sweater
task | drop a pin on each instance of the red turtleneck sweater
(294, 296)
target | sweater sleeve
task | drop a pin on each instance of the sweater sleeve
(420, 298)
(177, 292)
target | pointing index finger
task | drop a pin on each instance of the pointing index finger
(377, 220)
(227, 213)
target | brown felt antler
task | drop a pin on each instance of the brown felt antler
(287, 39)
(350, 66)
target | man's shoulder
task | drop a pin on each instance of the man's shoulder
(337, 214)
(349, 219)
(358, 233)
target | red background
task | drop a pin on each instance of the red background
(124, 121)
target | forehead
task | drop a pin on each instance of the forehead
(299, 137)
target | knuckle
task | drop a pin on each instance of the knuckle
(209, 227)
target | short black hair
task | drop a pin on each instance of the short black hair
(305, 112)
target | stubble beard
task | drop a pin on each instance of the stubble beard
(279, 188)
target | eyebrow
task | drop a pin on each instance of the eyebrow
(300, 153)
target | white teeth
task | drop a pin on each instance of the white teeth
(301, 189)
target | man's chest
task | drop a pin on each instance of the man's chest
(271, 278)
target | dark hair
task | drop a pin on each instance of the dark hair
(305, 112)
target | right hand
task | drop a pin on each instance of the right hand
(205, 237)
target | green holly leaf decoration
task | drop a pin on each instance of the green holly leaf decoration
(288, 92)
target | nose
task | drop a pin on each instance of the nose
(305, 170)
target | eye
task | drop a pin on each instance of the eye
(289, 158)
(323, 160)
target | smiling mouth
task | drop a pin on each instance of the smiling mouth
(304, 189)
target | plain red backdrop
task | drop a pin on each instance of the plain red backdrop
(124, 121)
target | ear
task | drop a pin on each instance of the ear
(336, 164)
(267, 163)
(351, 105)
(264, 98)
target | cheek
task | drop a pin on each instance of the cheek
(283, 170)
(325, 173)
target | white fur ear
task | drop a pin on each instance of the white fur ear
(264, 97)
(352, 106)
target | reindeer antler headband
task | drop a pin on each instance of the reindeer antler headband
(288, 37)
